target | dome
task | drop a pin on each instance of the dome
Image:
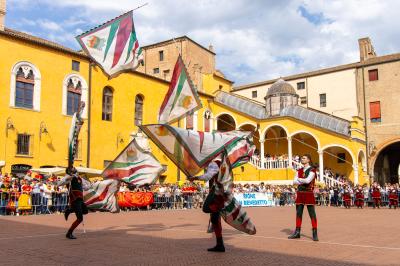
(280, 87)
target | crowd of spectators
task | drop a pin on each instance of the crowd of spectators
(39, 195)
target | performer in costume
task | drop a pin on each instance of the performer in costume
(213, 203)
(359, 197)
(376, 195)
(346, 197)
(25, 200)
(393, 197)
(305, 179)
(76, 203)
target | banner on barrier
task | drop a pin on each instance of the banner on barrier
(254, 199)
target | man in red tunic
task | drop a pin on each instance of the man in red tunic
(346, 197)
(76, 203)
(359, 197)
(376, 195)
(305, 179)
(393, 197)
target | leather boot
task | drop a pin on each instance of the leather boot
(315, 234)
(69, 235)
(219, 247)
(296, 234)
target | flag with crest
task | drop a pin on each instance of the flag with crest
(134, 165)
(181, 98)
(113, 45)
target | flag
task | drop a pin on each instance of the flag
(101, 195)
(192, 150)
(181, 97)
(134, 166)
(74, 130)
(232, 212)
(113, 45)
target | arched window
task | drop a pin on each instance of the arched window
(24, 88)
(74, 93)
(138, 110)
(107, 104)
(207, 121)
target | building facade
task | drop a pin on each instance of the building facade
(378, 89)
(39, 96)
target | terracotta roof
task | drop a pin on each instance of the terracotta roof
(372, 61)
(158, 44)
(218, 75)
(36, 40)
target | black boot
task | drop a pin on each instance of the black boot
(296, 234)
(67, 212)
(219, 247)
(69, 235)
(314, 234)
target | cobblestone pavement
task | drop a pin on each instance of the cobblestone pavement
(347, 237)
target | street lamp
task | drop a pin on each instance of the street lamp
(9, 125)
(42, 130)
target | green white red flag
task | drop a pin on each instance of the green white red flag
(101, 195)
(113, 45)
(181, 98)
(134, 166)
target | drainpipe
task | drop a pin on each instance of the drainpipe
(89, 114)
(365, 122)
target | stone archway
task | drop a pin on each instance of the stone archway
(386, 163)
(225, 122)
(304, 142)
(339, 160)
(275, 141)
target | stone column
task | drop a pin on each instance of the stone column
(321, 165)
(355, 169)
(262, 158)
(290, 155)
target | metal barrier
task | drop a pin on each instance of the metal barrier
(16, 203)
(184, 200)
(37, 203)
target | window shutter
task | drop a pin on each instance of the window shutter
(375, 110)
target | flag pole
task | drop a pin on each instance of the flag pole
(145, 4)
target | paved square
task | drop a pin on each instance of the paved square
(347, 237)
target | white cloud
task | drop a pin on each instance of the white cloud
(254, 40)
(49, 25)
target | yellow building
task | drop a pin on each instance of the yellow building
(41, 83)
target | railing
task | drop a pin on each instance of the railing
(269, 164)
(331, 181)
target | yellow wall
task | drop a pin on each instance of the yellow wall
(211, 84)
(53, 67)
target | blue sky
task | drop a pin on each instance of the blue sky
(254, 40)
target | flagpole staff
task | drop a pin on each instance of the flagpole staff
(178, 174)
(145, 4)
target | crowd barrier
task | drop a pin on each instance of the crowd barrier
(13, 203)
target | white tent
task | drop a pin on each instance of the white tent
(88, 171)
(49, 171)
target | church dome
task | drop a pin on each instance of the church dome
(280, 87)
